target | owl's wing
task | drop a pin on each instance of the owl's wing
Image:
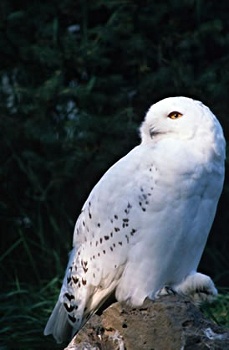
(101, 235)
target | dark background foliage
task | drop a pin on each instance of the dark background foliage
(76, 78)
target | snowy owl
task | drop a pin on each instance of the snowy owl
(144, 225)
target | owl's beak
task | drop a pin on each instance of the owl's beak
(153, 132)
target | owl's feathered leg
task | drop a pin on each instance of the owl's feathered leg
(198, 287)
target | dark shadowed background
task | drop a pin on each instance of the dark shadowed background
(76, 79)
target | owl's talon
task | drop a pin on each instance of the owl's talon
(166, 290)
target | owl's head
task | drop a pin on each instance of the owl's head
(180, 118)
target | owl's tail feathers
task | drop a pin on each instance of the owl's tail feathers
(58, 324)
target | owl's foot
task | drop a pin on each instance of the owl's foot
(198, 287)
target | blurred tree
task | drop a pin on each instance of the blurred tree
(75, 81)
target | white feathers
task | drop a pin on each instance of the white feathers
(146, 222)
(199, 287)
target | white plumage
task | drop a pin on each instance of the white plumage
(145, 224)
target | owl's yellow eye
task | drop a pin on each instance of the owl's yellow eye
(175, 115)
